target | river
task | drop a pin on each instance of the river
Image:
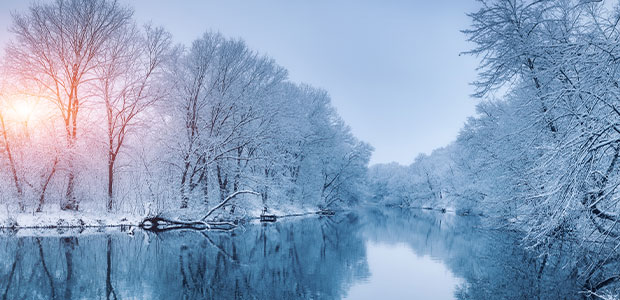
(373, 253)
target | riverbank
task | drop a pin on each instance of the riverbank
(63, 219)
(66, 219)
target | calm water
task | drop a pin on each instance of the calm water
(371, 254)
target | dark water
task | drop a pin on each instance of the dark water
(371, 254)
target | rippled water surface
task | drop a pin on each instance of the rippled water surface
(367, 254)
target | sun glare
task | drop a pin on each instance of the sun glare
(22, 110)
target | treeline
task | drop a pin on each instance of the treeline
(99, 112)
(436, 181)
(542, 153)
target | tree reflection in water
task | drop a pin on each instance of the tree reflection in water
(490, 262)
(303, 258)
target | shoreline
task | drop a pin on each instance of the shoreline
(85, 221)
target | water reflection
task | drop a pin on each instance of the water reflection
(490, 263)
(307, 258)
(398, 273)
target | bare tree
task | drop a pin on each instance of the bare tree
(128, 80)
(57, 45)
(9, 153)
(221, 86)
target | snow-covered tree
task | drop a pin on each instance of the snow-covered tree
(161, 127)
(56, 46)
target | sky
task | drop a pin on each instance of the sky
(392, 67)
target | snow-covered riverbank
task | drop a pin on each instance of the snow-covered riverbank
(87, 219)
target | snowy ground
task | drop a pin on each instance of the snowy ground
(86, 219)
(66, 219)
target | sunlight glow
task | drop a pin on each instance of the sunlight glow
(22, 110)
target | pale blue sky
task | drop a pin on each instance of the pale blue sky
(392, 67)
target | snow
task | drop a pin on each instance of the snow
(87, 219)
(66, 219)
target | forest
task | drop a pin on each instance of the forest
(541, 155)
(104, 116)
(101, 114)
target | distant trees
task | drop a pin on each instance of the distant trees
(431, 181)
(163, 127)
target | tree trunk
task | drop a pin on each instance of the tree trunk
(204, 183)
(222, 181)
(71, 202)
(237, 177)
(45, 184)
(111, 160)
(71, 127)
(18, 186)
(184, 197)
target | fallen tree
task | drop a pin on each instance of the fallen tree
(159, 223)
